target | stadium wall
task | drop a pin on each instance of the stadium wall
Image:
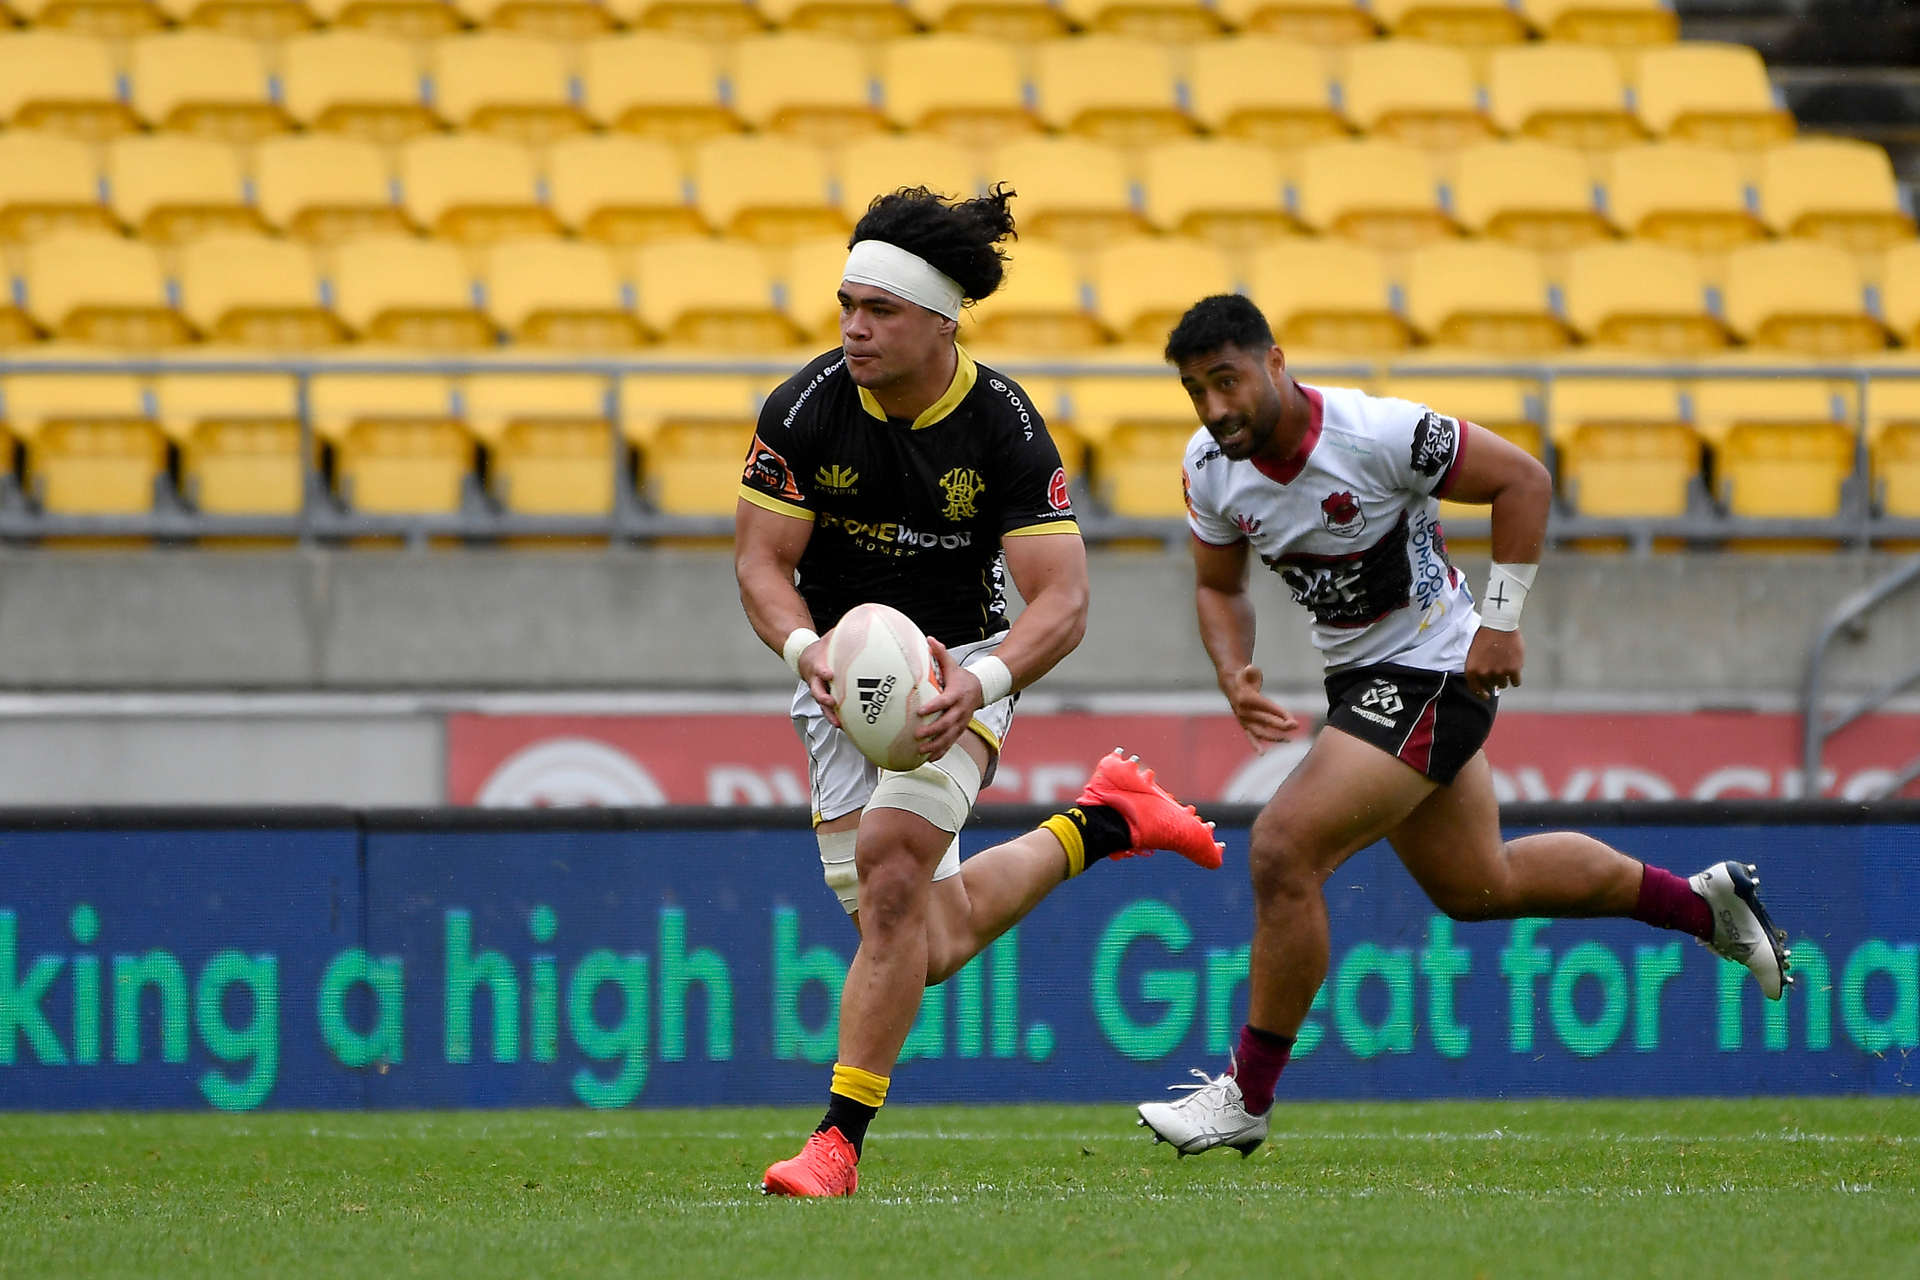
(334, 959)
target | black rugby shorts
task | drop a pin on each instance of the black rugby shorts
(1432, 721)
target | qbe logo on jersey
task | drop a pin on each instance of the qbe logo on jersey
(1384, 697)
(874, 692)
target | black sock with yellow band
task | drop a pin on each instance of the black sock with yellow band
(856, 1098)
(1089, 833)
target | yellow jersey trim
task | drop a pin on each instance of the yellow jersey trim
(986, 735)
(775, 505)
(1052, 526)
(965, 374)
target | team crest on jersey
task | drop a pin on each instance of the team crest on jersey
(837, 479)
(1435, 440)
(770, 471)
(1057, 491)
(962, 486)
(1341, 513)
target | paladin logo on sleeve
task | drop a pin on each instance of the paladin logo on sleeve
(837, 479)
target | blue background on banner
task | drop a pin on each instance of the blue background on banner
(613, 946)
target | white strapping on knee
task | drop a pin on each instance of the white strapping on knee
(836, 863)
(941, 791)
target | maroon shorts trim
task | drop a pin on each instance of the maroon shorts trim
(1431, 721)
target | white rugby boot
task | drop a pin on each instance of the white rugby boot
(1742, 930)
(1212, 1115)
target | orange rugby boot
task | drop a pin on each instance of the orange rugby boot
(824, 1167)
(1155, 819)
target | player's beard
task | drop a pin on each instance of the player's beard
(1240, 436)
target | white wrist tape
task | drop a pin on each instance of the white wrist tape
(996, 680)
(797, 641)
(1507, 588)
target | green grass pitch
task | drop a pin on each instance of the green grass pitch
(1694, 1189)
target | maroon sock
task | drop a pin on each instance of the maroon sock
(1256, 1065)
(1668, 902)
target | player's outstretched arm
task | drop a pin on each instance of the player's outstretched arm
(1051, 572)
(1517, 486)
(767, 547)
(1226, 629)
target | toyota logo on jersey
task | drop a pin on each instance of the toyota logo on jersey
(1341, 513)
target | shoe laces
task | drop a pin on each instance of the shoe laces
(1194, 1091)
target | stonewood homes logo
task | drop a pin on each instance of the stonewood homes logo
(873, 693)
(835, 478)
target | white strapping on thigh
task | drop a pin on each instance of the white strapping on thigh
(941, 791)
(836, 863)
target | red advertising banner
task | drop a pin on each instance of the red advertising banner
(756, 759)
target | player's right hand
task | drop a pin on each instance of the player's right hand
(819, 677)
(1264, 721)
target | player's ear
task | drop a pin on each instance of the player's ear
(1276, 364)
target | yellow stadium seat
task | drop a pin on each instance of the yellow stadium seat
(811, 280)
(1782, 446)
(255, 292)
(650, 401)
(1111, 88)
(254, 19)
(767, 189)
(1643, 297)
(1327, 294)
(1463, 22)
(63, 82)
(620, 189)
(338, 402)
(1138, 428)
(47, 183)
(1377, 192)
(695, 431)
(173, 189)
(696, 19)
(1900, 293)
(1530, 193)
(549, 443)
(884, 163)
(359, 83)
(1508, 407)
(1626, 448)
(1834, 189)
(1070, 190)
(512, 86)
(101, 289)
(1800, 296)
(1041, 307)
(410, 293)
(473, 189)
(551, 293)
(16, 329)
(816, 88)
(855, 19)
(408, 19)
(400, 445)
(1264, 89)
(1143, 287)
(205, 83)
(1629, 23)
(325, 189)
(1415, 92)
(1326, 22)
(93, 461)
(1229, 193)
(965, 88)
(1482, 295)
(239, 441)
(1686, 196)
(1022, 21)
(710, 293)
(545, 19)
(111, 19)
(1561, 93)
(1165, 21)
(1893, 437)
(658, 86)
(1717, 95)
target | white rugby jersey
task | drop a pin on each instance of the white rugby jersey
(1351, 523)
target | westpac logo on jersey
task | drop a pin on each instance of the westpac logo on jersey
(1341, 513)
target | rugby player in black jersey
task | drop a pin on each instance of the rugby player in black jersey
(896, 469)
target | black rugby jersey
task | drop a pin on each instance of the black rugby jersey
(908, 514)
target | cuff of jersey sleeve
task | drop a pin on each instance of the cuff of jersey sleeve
(1198, 536)
(1051, 526)
(1452, 472)
(760, 499)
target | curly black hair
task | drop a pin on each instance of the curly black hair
(1225, 319)
(959, 237)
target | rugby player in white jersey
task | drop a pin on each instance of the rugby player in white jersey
(1338, 493)
(896, 469)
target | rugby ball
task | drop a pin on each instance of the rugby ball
(882, 674)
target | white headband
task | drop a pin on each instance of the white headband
(888, 266)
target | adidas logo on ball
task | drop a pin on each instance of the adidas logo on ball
(873, 696)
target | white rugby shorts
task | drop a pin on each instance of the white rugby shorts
(842, 780)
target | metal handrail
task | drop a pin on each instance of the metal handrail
(1850, 617)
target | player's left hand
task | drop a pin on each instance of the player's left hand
(952, 708)
(1494, 661)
